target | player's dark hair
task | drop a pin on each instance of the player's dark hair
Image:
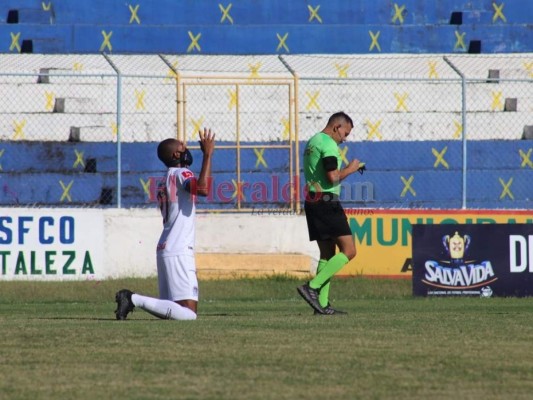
(341, 115)
(165, 150)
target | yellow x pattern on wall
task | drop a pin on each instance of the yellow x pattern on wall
(286, 131)
(498, 12)
(79, 159)
(18, 129)
(254, 70)
(528, 66)
(342, 70)
(15, 42)
(399, 12)
(196, 126)
(460, 41)
(50, 98)
(313, 13)
(134, 13)
(65, 194)
(226, 16)
(260, 158)
(525, 158)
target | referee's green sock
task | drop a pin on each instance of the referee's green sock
(333, 266)
(323, 297)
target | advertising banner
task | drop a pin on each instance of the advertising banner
(473, 260)
(383, 237)
(51, 245)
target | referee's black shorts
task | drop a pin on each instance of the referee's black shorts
(325, 217)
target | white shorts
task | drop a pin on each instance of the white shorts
(176, 277)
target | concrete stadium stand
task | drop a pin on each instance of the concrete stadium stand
(336, 27)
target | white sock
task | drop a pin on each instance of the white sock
(164, 309)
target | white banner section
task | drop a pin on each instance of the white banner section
(51, 245)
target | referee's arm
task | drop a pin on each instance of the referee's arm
(335, 175)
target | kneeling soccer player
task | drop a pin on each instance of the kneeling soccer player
(176, 269)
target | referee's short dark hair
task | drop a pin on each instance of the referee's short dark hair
(340, 115)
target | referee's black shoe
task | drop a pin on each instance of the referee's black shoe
(124, 304)
(311, 296)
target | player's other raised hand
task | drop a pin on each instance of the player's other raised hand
(207, 141)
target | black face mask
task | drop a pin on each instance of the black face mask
(186, 158)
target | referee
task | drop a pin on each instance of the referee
(326, 220)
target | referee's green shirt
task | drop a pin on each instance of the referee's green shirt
(319, 146)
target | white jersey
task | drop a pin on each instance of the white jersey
(178, 210)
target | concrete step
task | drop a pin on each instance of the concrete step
(30, 15)
(375, 126)
(225, 265)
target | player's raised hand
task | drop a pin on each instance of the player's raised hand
(207, 141)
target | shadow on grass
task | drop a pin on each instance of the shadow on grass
(135, 319)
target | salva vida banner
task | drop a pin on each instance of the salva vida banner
(473, 260)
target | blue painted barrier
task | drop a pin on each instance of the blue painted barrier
(55, 189)
(400, 174)
(207, 12)
(279, 39)
(338, 26)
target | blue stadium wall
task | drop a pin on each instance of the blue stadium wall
(49, 168)
(266, 27)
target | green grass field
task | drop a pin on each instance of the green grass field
(257, 339)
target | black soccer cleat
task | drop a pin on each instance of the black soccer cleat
(311, 296)
(328, 310)
(124, 304)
